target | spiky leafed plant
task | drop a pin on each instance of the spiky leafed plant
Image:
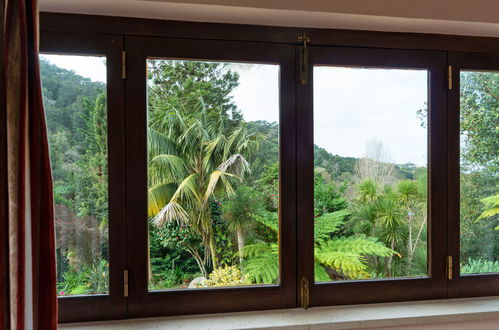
(340, 256)
(190, 161)
(240, 213)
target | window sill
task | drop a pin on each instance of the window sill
(337, 317)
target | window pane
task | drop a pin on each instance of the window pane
(74, 96)
(370, 163)
(213, 174)
(479, 206)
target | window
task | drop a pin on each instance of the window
(76, 111)
(201, 172)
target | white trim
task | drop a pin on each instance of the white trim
(336, 317)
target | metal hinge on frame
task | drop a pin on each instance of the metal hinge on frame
(125, 283)
(449, 267)
(305, 292)
(123, 65)
(449, 77)
(304, 40)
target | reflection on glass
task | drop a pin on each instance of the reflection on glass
(213, 174)
(370, 159)
(74, 97)
(479, 206)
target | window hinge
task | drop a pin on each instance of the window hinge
(123, 65)
(304, 40)
(125, 283)
(305, 292)
(449, 77)
(449, 267)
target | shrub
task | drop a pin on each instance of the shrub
(226, 276)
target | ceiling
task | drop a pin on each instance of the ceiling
(461, 17)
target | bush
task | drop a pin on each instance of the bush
(478, 266)
(226, 276)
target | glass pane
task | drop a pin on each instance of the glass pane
(370, 163)
(213, 174)
(479, 207)
(74, 96)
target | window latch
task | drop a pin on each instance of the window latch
(125, 283)
(305, 292)
(123, 65)
(449, 267)
(304, 40)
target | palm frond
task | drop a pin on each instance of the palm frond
(159, 144)
(158, 196)
(171, 212)
(167, 168)
(237, 165)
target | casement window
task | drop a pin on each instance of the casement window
(197, 171)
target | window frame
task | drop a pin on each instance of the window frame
(74, 34)
(111, 305)
(143, 303)
(472, 285)
(382, 290)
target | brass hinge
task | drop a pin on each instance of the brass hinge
(449, 77)
(304, 58)
(125, 283)
(305, 292)
(449, 267)
(123, 65)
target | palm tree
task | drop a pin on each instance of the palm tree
(191, 161)
(240, 212)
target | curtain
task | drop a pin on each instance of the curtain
(27, 247)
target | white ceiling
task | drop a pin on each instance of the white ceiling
(461, 17)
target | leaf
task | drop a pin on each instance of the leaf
(329, 223)
(158, 196)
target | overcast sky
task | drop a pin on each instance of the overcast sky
(351, 106)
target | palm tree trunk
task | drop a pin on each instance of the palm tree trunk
(240, 243)
(213, 252)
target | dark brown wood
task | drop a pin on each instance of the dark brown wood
(112, 306)
(349, 292)
(463, 285)
(142, 303)
(239, 32)
(142, 38)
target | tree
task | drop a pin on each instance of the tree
(191, 160)
(240, 212)
(479, 118)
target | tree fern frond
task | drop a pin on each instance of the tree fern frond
(320, 274)
(261, 262)
(358, 245)
(329, 223)
(350, 264)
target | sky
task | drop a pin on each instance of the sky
(352, 106)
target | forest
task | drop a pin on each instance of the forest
(213, 178)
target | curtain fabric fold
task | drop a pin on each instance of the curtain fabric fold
(27, 246)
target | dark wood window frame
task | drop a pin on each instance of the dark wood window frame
(109, 36)
(468, 285)
(112, 305)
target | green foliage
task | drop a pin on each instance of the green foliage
(491, 204)
(479, 118)
(329, 223)
(261, 262)
(347, 255)
(479, 266)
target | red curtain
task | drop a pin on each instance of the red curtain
(27, 247)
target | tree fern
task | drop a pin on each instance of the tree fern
(262, 262)
(329, 223)
(347, 255)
